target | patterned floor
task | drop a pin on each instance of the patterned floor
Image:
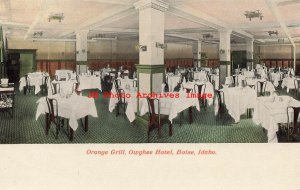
(107, 128)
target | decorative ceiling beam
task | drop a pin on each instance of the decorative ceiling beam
(106, 17)
(274, 9)
(196, 16)
(264, 26)
(182, 36)
(193, 15)
(14, 24)
(43, 7)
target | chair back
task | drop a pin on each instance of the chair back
(134, 83)
(120, 95)
(45, 80)
(55, 88)
(235, 80)
(27, 80)
(200, 88)
(221, 98)
(296, 111)
(261, 85)
(53, 111)
(117, 83)
(297, 84)
(151, 107)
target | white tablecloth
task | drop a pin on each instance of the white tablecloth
(238, 100)
(89, 82)
(131, 103)
(73, 108)
(173, 81)
(289, 83)
(171, 106)
(209, 89)
(275, 77)
(65, 87)
(269, 111)
(35, 79)
(269, 86)
(202, 76)
(64, 74)
(216, 78)
(248, 74)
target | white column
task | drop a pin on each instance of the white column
(81, 51)
(151, 37)
(250, 50)
(224, 55)
(197, 53)
(113, 50)
(294, 57)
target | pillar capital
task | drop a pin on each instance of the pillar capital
(225, 30)
(155, 4)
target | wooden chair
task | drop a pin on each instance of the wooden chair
(157, 120)
(200, 88)
(297, 87)
(53, 115)
(55, 88)
(118, 84)
(235, 80)
(29, 87)
(220, 98)
(121, 101)
(134, 83)
(44, 86)
(261, 87)
(291, 128)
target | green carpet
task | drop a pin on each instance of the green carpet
(108, 128)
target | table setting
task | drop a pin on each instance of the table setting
(272, 110)
(70, 106)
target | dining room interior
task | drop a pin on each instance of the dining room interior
(149, 71)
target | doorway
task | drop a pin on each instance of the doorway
(20, 62)
(238, 59)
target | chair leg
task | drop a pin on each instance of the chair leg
(124, 110)
(57, 131)
(159, 131)
(117, 111)
(170, 129)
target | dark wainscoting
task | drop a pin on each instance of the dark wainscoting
(283, 63)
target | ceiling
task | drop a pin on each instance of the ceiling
(185, 20)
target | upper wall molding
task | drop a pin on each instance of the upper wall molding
(155, 4)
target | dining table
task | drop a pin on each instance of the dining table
(238, 100)
(173, 81)
(209, 89)
(289, 83)
(67, 86)
(34, 79)
(172, 107)
(64, 74)
(200, 75)
(272, 110)
(89, 82)
(269, 86)
(72, 108)
(127, 86)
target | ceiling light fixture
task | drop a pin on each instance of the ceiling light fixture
(206, 36)
(253, 14)
(273, 33)
(37, 34)
(56, 16)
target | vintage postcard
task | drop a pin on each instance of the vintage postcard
(149, 94)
